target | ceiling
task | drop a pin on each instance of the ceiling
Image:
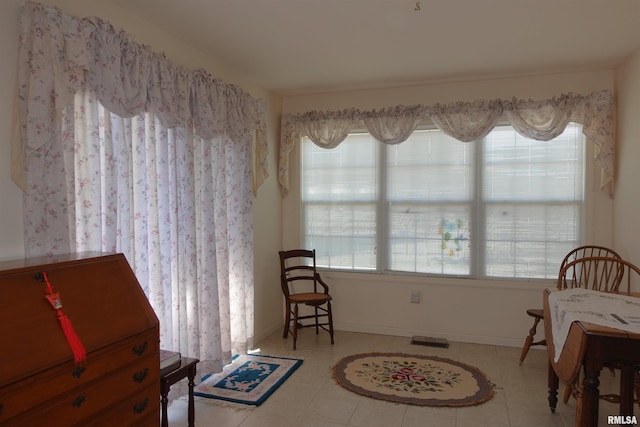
(308, 46)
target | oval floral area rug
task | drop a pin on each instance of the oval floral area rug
(413, 379)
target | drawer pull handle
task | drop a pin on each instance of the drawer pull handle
(138, 377)
(1, 408)
(78, 401)
(77, 373)
(139, 408)
(140, 349)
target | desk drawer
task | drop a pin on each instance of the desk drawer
(43, 388)
(141, 409)
(85, 402)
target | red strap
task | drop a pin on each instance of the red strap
(79, 352)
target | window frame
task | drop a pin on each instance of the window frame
(477, 207)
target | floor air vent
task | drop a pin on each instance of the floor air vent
(430, 341)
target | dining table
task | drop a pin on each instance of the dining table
(585, 332)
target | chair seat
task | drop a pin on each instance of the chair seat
(536, 312)
(309, 298)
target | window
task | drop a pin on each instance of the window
(505, 206)
(341, 198)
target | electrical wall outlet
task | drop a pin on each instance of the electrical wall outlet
(415, 297)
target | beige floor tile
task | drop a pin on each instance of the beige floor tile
(311, 398)
(377, 413)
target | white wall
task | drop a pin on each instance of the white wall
(267, 207)
(491, 312)
(534, 87)
(627, 192)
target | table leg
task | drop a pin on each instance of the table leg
(552, 382)
(164, 399)
(627, 377)
(588, 409)
(191, 413)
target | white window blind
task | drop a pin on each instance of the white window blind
(428, 199)
(533, 197)
(340, 198)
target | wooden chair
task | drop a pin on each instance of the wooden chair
(536, 313)
(301, 284)
(598, 273)
(604, 274)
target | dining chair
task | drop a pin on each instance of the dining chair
(302, 285)
(536, 313)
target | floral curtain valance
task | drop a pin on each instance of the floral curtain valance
(465, 121)
(61, 54)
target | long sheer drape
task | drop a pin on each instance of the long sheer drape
(125, 151)
(466, 121)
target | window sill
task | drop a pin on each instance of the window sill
(389, 277)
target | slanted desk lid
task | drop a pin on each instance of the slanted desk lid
(100, 295)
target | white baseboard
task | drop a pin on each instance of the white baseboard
(382, 330)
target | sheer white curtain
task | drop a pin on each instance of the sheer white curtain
(124, 151)
(466, 121)
(178, 207)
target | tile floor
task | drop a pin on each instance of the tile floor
(311, 398)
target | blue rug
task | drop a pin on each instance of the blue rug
(250, 379)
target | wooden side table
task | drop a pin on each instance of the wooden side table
(187, 369)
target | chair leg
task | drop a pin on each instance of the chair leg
(330, 320)
(287, 322)
(317, 319)
(529, 340)
(295, 325)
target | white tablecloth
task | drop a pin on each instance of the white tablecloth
(600, 308)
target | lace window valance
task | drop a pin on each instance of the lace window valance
(60, 54)
(465, 121)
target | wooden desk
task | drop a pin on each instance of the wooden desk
(40, 383)
(592, 347)
(187, 369)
